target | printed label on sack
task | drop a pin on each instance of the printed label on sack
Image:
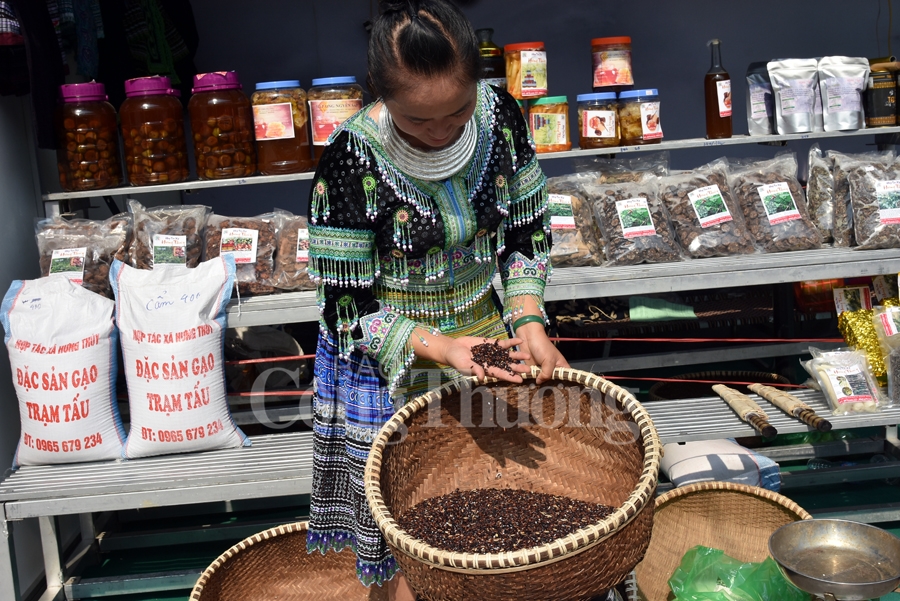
(798, 98)
(549, 128)
(849, 384)
(762, 102)
(169, 250)
(327, 115)
(888, 195)
(709, 206)
(240, 243)
(303, 245)
(884, 287)
(561, 215)
(890, 320)
(843, 94)
(634, 217)
(598, 124)
(500, 82)
(650, 125)
(273, 121)
(69, 262)
(533, 73)
(852, 299)
(612, 68)
(723, 92)
(778, 202)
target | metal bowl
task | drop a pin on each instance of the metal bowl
(837, 559)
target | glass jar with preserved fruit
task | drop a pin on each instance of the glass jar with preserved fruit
(549, 118)
(280, 119)
(222, 124)
(332, 100)
(639, 117)
(491, 62)
(526, 70)
(153, 132)
(87, 137)
(612, 64)
(598, 120)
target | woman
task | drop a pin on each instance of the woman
(417, 201)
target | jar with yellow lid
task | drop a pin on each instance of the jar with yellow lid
(598, 120)
(526, 70)
(549, 120)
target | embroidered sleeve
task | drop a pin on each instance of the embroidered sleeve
(343, 261)
(524, 252)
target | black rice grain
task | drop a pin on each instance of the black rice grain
(491, 354)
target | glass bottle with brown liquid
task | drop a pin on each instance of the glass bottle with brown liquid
(717, 89)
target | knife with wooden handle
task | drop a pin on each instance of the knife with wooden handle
(792, 406)
(747, 410)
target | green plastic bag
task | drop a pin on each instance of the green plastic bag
(707, 574)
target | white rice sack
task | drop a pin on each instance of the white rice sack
(172, 321)
(61, 341)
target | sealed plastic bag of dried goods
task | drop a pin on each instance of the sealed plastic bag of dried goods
(171, 235)
(251, 241)
(172, 322)
(875, 198)
(887, 328)
(820, 192)
(292, 256)
(61, 341)
(842, 229)
(576, 238)
(844, 377)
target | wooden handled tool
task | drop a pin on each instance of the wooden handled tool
(747, 410)
(792, 406)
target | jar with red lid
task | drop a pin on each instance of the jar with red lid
(612, 64)
(153, 132)
(222, 124)
(87, 136)
(526, 70)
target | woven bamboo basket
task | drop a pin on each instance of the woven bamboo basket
(735, 518)
(274, 565)
(662, 391)
(579, 436)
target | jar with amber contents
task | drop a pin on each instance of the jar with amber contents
(526, 70)
(332, 100)
(598, 121)
(280, 120)
(639, 117)
(549, 119)
(87, 152)
(153, 132)
(222, 124)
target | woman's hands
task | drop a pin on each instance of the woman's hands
(458, 355)
(543, 352)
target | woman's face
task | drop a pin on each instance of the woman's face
(430, 112)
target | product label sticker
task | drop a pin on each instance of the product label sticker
(533, 73)
(884, 287)
(723, 92)
(890, 320)
(500, 82)
(69, 262)
(240, 243)
(849, 384)
(888, 195)
(612, 68)
(273, 121)
(634, 216)
(762, 102)
(598, 124)
(327, 115)
(778, 202)
(709, 206)
(303, 245)
(650, 124)
(561, 215)
(852, 299)
(169, 250)
(549, 128)
(798, 98)
(843, 94)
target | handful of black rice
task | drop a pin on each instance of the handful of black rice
(491, 354)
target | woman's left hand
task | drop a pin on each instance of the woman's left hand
(543, 352)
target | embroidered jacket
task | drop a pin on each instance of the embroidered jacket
(390, 252)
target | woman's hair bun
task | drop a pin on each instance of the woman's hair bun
(401, 6)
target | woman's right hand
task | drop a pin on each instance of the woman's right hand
(458, 355)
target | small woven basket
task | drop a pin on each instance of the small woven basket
(663, 391)
(577, 436)
(274, 565)
(736, 518)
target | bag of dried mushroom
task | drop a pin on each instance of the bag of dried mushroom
(168, 234)
(631, 169)
(773, 205)
(633, 221)
(251, 241)
(292, 256)
(82, 250)
(875, 198)
(708, 222)
(842, 228)
(820, 193)
(576, 238)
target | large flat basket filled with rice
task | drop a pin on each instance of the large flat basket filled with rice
(522, 492)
